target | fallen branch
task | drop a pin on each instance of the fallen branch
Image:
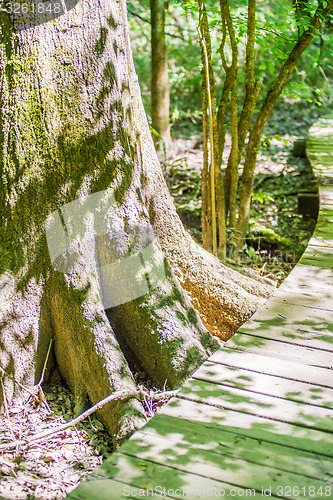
(151, 399)
(112, 397)
(157, 396)
(41, 380)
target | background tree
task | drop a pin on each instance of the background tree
(72, 126)
(160, 99)
(272, 94)
(231, 28)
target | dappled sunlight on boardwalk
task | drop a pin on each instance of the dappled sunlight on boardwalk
(256, 419)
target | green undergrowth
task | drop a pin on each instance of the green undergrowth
(278, 233)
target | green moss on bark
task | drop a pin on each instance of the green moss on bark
(100, 44)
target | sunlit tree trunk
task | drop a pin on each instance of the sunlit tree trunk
(206, 204)
(160, 98)
(232, 167)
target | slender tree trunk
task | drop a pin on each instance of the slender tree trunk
(206, 204)
(215, 179)
(232, 167)
(221, 112)
(209, 87)
(266, 109)
(160, 98)
(252, 88)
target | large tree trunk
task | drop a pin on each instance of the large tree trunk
(80, 187)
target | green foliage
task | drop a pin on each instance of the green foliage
(267, 141)
(276, 32)
(261, 197)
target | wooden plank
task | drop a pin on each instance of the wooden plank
(172, 439)
(216, 464)
(317, 299)
(257, 404)
(326, 197)
(305, 289)
(165, 480)
(322, 236)
(322, 251)
(288, 334)
(320, 257)
(305, 297)
(308, 282)
(168, 438)
(319, 278)
(295, 317)
(320, 240)
(273, 366)
(319, 146)
(324, 227)
(103, 489)
(265, 384)
(326, 215)
(277, 349)
(246, 424)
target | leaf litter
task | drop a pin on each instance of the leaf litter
(50, 468)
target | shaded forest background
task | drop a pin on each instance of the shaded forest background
(282, 173)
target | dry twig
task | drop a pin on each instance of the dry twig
(19, 384)
(41, 394)
(114, 396)
(6, 408)
(141, 395)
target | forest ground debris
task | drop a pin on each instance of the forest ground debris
(148, 397)
(280, 176)
(50, 464)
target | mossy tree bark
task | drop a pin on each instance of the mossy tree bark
(72, 125)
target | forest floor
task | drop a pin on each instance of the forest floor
(50, 468)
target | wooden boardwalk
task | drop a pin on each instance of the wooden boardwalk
(256, 419)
